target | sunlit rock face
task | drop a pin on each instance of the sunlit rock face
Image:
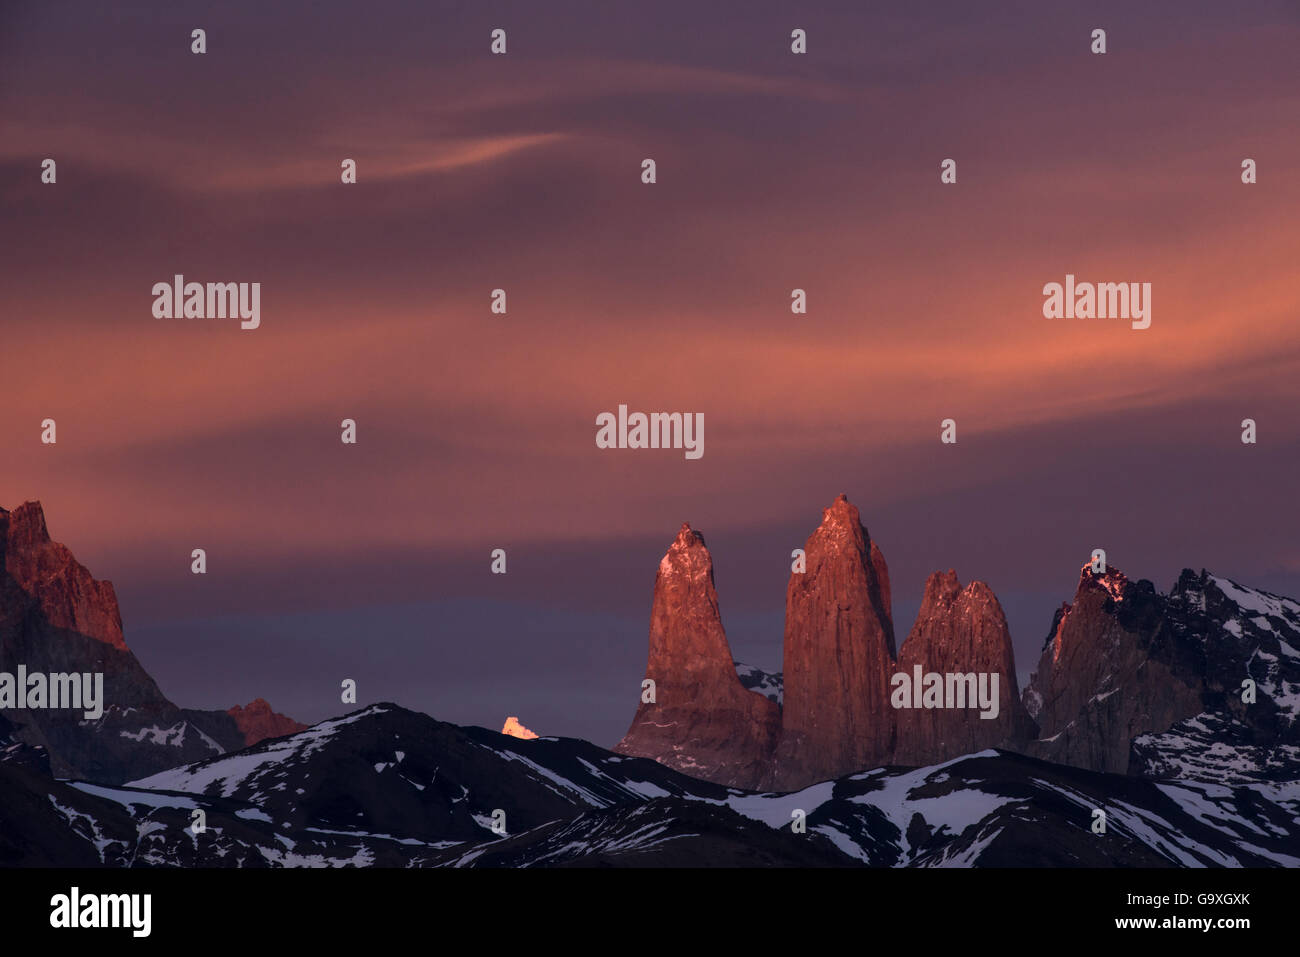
(702, 721)
(515, 729)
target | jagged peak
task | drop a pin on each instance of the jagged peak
(687, 552)
(841, 521)
(256, 705)
(27, 524)
(942, 587)
(1254, 601)
(1199, 591)
(687, 537)
(946, 588)
(259, 721)
(69, 595)
(840, 511)
(1112, 581)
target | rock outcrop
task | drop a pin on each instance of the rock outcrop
(56, 618)
(515, 729)
(257, 722)
(701, 721)
(1201, 684)
(838, 656)
(960, 631)
(1112, 669)
(69, 597)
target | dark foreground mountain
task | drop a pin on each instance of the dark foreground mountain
(56, 618)
(388, 787)
(1166, 735)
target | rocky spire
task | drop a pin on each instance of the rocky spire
(839, 650)
(702, 720)
(960, 631)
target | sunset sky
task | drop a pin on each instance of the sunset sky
(476, 431)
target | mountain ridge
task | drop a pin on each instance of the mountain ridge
(55, 617)
(1175, 715)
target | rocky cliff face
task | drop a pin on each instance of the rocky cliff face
(960, 630)
(702, 721)
(836, 716)
(839, 651)
(55, 617)
(1130, 681)
(1112, 669)
(69, 597)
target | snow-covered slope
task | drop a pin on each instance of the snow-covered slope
(388, 770)
(1240, 636)
(388, 787)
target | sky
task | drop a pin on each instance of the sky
(476, 431)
